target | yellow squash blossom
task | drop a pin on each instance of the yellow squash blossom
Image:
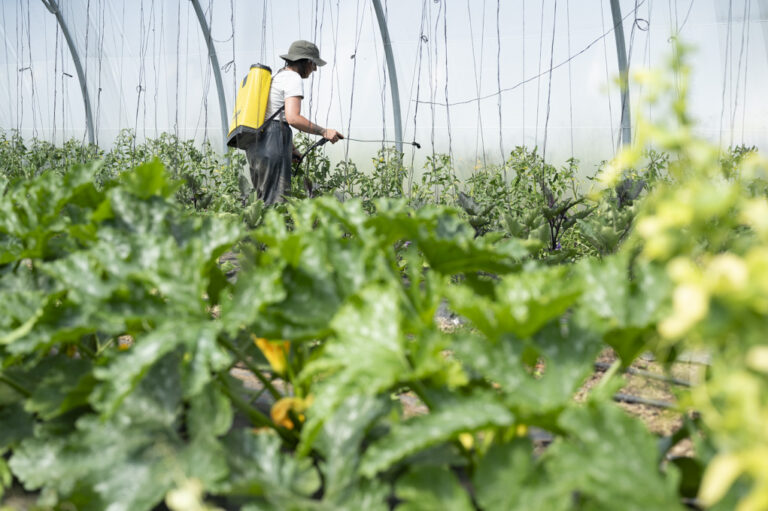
(281, 409)
(276, 352)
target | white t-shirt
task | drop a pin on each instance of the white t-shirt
(285, 84)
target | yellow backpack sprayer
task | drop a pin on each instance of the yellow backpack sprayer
(250, 107)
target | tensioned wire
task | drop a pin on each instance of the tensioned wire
(208, 76)
(64, 75)
(334, 69)
(313, 29)
(478, 78)
(55, 74)
(157, 53)
(418, 87)
(20, 49)
(203, 112)
(359, 23)
(546, 71)
(47, 79)
(745, 20)
(272, 32)
(430, 67)
(570, 77)
(608, 79)
(480, 83)
(139, 87)
(318, 36)
(433, 87)
(235, 76)
(298, 16)
(186, 71)
(643, 25)
(102, 25)
(498, 85)
(447, 104)
(549, 88)
(87, 33)
(31, 71)
(264, 31)
(522, 61)
(383, 76)
(726, 68)
(20, 66)
(7, 60)
(421, 39)
(313, 37)
(176, 96)
(85, 55)
(746, 68)
(150, 31)
(122, 60)
(730, 69)
(674, 36)
(540, 74)
(646, 60)
(685, 20)
(178, 59)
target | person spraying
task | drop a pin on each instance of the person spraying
(269, 145)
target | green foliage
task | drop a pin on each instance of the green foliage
(209, 181)
(705, 231)
(31, 158)
(341, 284)
(119, 332)
(439, 184)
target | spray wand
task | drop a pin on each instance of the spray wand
(308, 184)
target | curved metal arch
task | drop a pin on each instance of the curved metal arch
(216, 70)
(53, 8)
(392, 74)
(621, 51)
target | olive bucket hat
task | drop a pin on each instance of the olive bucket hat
(304, 50)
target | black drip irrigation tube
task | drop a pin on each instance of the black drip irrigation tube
(635, 400)
(604, 366)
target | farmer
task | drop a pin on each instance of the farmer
(269, 159)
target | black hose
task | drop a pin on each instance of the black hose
(414, 143)
(602, 366)
(626, 398)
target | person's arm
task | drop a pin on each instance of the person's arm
(295, 119)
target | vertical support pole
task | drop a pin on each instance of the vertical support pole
(53, 7)
(215, 67)
(621, 51)
(392, 74)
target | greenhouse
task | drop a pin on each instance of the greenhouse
(383, 254)
(473, 79)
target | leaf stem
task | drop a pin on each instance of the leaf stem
(241, 404)
(15, 386)
(254, 415)
(420, 391)
(88, 351)
(252, 367)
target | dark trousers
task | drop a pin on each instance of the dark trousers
(269, 162)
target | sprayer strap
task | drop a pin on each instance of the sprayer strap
(270, 118)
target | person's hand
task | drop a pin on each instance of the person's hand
(295, 156)
(332, 135)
